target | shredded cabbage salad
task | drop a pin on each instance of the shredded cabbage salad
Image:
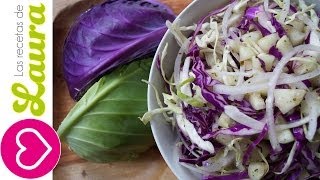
(244, 96)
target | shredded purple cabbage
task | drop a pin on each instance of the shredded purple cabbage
(280, 30)
(203, 80)
(244, 25)
(158, 63)
(263, 30)
(307, 41)
(263, 65)
(238, 127)
(311, 161)
(245, 107)
(197, 161)
(275, 52)
(298, 131)
(252, 12)
(254, 144)
(307, 83)
(295, 172)
(293, 9)
(201, 118)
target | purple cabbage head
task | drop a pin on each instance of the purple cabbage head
(108, 35)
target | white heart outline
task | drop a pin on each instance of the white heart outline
(23, 149)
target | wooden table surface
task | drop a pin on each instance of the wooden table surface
(150, 165)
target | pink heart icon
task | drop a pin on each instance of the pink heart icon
(36, 151)
(34, 148)
(30, 148)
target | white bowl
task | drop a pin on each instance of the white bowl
(163, 133)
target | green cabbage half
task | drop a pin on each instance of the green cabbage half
(104, 126)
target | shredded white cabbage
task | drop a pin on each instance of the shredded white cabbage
(285, 11)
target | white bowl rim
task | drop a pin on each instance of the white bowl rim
(151, 91)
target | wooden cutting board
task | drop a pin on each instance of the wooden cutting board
(150, 165)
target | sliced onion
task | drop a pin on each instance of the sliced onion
(314, 112)
(293, 125)
(288, 79)
(244, 89)
(234, 113)
(242, 132)
(312, 128)
(235, 90)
